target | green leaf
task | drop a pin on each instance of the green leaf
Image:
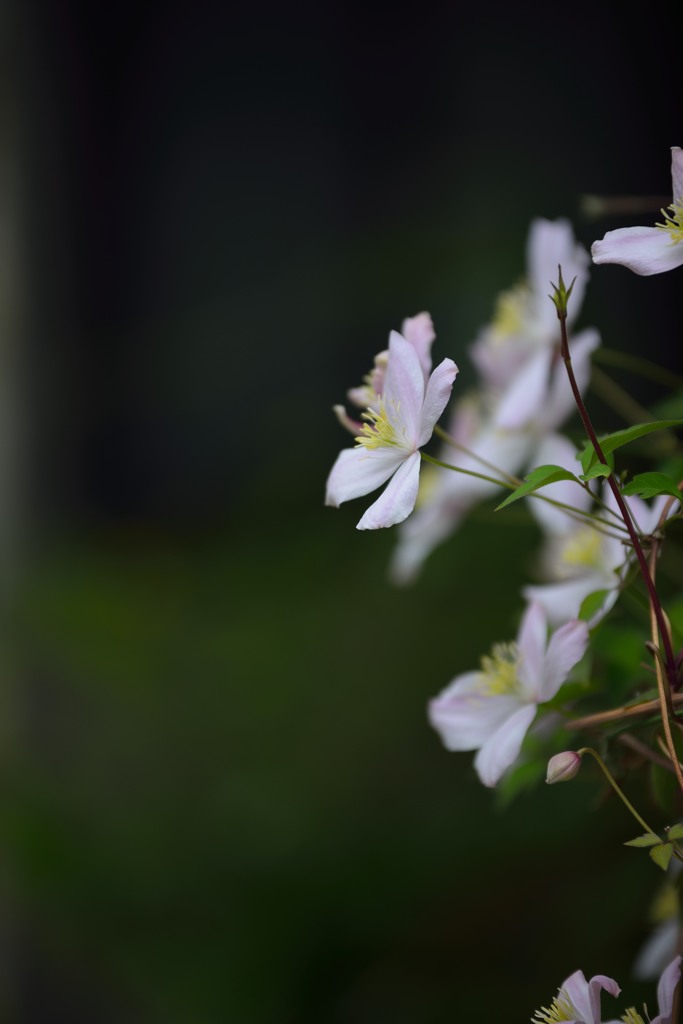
(592, 604)
(537, 478)
(661, 855)
(648, 485)
(598, 469)
(647, 840)
(676, 832)
(589, 461)
(611, 442)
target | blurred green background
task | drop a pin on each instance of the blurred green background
(221, 800)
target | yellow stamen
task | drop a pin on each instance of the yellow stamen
(508, 317)
(378, 431)
(561, 1009)
(632, 1017)
(673, 222)
(499, 670)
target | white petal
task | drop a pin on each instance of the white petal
(677, 173)
(566, 649)
(643, 250)
(657, 951)
(525, 397)
(436, 398)
(502, 749)
(397, 500)
(532, 639)
(464, 717)
(560, 403)
(551, 243)
(562, 601)
(358, 471)
(404, 387)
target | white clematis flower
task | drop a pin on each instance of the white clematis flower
(652, 250)
(396, 427)
(577, 1001)
(491, 710)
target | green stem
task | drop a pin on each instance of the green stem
(569, 509)
(617, 789)
(623, 508)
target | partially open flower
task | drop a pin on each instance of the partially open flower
(649, 250)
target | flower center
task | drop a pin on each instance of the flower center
(561, 1009)
(378, 431)
(499, 670)
(509, 315)
(632, 1017)
(673, 222)
(582, 548)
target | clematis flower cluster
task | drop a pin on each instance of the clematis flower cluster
(522, 396)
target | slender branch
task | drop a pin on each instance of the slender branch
(623, 508)
(641, 710)
(641, 748)
(513, 482)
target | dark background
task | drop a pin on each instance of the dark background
(221, 800)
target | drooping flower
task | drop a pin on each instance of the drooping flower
(395, 428)
(492, 709)
(665, 997)
(649, 250)
(577, 1001)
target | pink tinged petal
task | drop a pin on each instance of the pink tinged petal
(525, 398)
(436, 398)
(643, 250)
(404, 388)
(358, 471)
(666, 989)
(502, 749)
(419, 332)
(532, 639)
(397, 500)
(566, 649)
(464, 717)
(353, 426)
(677, 173)
(585, 996)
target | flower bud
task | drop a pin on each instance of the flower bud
(563, 767)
